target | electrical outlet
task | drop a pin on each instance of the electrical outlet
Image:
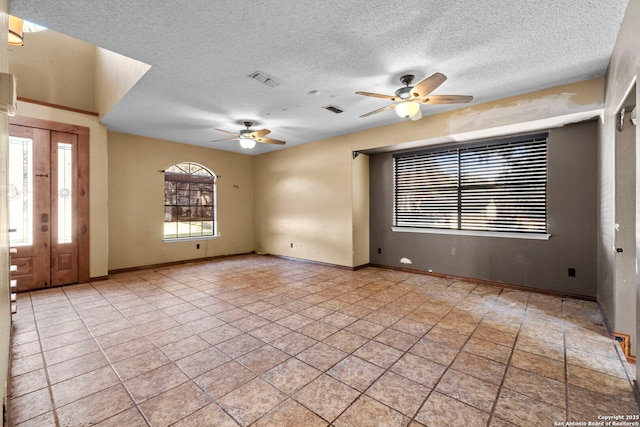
(572, 272)
(197, 245)
(379, 250)
(291, 245)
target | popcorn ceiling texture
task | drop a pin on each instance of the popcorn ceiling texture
(201, 53)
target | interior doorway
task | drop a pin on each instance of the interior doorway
(48, 203)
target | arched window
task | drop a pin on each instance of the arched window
(189, 201)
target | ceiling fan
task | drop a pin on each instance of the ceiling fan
(409, 98)
(248, 137)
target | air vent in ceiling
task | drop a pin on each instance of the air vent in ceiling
(333, 109)
(265, 78)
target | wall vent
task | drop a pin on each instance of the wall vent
(333, 109)
(265, 79)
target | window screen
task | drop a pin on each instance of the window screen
(496, 186)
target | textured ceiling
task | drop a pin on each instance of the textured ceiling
(201, 53)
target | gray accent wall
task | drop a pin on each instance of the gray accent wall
(543, 264)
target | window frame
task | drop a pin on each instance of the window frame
(451, 214)
(192, 177)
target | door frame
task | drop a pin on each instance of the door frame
(83, 230)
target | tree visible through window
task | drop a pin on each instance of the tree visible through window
(189, 201)
(496, 186)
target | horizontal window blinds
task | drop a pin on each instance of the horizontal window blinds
(493, 186)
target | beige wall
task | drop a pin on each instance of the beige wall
(618, 299)
(115, 75)
(98, 177)
(5, 305)
(55, 68)
(136, 200)
(311, 196)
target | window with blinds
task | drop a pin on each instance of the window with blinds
(498, 186)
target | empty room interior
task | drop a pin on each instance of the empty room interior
(302, 213)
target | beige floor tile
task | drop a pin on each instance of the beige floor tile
(290, 414)
(83, 385)
(220, 334)
(44, 420)
(525, 411)
(293, 343)
(399, 393)
(262, 359)
(95, 407)
(598, 382)
(321, 356)
(291, 375)
(128, 349)
(205, 360)
(536, 386)
(129, 418)
(446, 337)
(184, 347)
(412, 327)
(369, 346)
(318, 330)
(175, 404)
(586, 405)
(371, 413)
(355, 372)
(29, 405)
(378, 354)
(224, 379)
(251, 401)
(326, 397)
(339, 320)
(26, 383)
(239, 345)
(441, 410)
(489, 350)
(365, 328)
(210, 415)
(154, 382)
(140, 364)
(420, 370)
(270, 332)
(77, 366)
(540, 365)
(468, 389)
(479, 367)
(396, 339)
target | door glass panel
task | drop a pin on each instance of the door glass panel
(65, 206)
(20, 191)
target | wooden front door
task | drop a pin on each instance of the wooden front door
(43, 170)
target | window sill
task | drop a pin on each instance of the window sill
(188, 239)
(502, 235)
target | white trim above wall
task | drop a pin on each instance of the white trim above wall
(529, 236)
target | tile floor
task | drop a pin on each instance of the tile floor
(262, 341)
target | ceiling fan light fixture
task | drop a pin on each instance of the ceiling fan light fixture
(247, 143)
(407, 109)
(16, 31)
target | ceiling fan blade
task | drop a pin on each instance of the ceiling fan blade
(226, 131)
(416, 116)
(270, 141)
(445, 99)
(379, 110)
(377, 95)
(226, 139)
(259, 133)
(428, 85)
